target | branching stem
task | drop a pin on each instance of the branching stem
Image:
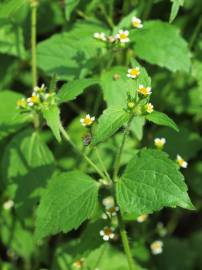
(90, 162)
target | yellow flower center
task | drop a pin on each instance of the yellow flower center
(107, 231)
(136, 24)
(181, 162)
(134, 72)
(156, 245)
(34, 99)
(87, 121)
(144, 91)
(123, 36)
(21, 103)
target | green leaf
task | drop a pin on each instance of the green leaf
(11, 40)
(27, 164)
(109, 122)
(176, 4)
(65, 55)
(10, 7)
(71, 90)
(70, 5)
(10, 118)
(70, 199)
(150, 182)
(161, 119)
(116, 84)
(168, 50)
(52, 116)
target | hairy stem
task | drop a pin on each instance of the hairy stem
(102, 164)
(131, 264)
(90, 162)
(118, 156)
(34, 5)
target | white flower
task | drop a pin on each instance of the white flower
(159, 142)
(87, 120)
(34, 99)
(108, 201)
(181, 162)
(100, 36)
(142, 218)
(133, 72)
(145, 91)
(156, 247)
(149, 108)
(136, 22)
(122, 36)
(39, 89)
(8, 204)
(107, 233)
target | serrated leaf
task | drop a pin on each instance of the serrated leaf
(28, 164)
(162, 119)
(150, 182)
(115, 84)
(70, 5)
(71, 90)
(58, 55)
(52, 116)
(168, 50)
(109, 122)
(176, 4)
(70, 199)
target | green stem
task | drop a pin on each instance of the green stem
(195, 33)
(108, 19)
(132, 265)
(118, 156)
(102, 164)
(90, 162)
(34, 4)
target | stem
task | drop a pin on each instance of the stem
(102, 164)
(132, 265)
(90, 162)
(34, 4)
(118, 156)
(195, 33)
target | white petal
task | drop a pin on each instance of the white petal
(106, 238)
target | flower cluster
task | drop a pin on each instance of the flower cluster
(38, 101)
(140, 104)
(122, 36)
(111, 209)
